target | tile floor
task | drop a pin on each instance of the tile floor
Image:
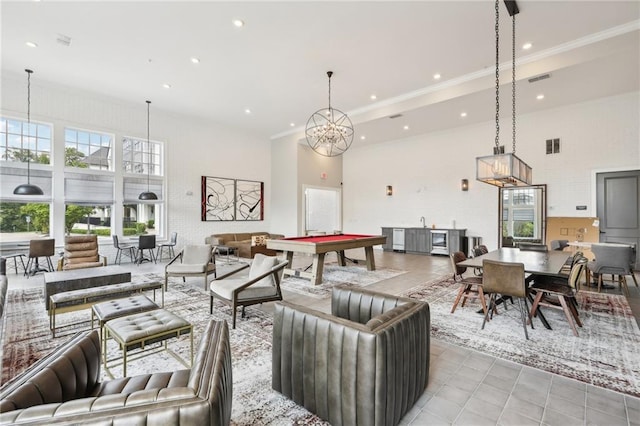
(467, 387)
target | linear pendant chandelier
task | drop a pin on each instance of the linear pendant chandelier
(502, 169)
(28, 188)
(148, 195)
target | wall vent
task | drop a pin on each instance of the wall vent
(553, 146)
(395, 116)
(63, 40)
(539, 77)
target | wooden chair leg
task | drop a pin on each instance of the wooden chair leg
(574, 310)
(482, 300)
(536, 301)
(568, 314)
(458, 297)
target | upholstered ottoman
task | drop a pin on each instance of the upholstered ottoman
(113, 309)
(138, 330)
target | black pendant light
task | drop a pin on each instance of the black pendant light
(148, 195)
(28, 188)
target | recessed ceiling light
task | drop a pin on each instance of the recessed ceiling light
(363, 137)
(247, 111)
(166, 85)
(463, 114)
(195, 60)
(373, 97)
(292, 124)
(540, 96)
(31, 44)
(527, 46)
(436, 76)
(238, 23)
(406, 127)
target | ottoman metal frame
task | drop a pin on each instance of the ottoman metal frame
(117, 329)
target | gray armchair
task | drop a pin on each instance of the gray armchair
(366, 363)
(193, 261)
(614, 259)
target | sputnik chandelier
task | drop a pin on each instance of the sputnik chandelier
(329, 131)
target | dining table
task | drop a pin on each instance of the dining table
(535, 263)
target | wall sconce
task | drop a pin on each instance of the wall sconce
(389, 190)
(464, 184)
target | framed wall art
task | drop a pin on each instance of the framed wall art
(225, 199)
(218, 199)
(249, 200)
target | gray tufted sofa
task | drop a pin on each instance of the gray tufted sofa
(366, 363)
(64, 388)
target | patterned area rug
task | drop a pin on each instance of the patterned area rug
(27, 338)
(604, 354)
(333, 275)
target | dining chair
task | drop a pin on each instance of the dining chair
(506, 279)
(554, 293)
(169, 246)
(614, 259)
(470, 287)
(127, 249)
(479, 250)
(559, 245)
(146, 242)
(37, 249)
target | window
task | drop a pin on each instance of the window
(20, 140)
(139, 219)
(142, 157)
(85, 149)
(23, 221)
(522, 212)
(85, 219)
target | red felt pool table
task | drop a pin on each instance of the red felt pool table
(318, 245)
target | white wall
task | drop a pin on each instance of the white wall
(193, 148)
(425, 171)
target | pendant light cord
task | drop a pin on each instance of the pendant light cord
(497, 28)
(148, 151)
(513, 81)
(329, 74)
(29, 72)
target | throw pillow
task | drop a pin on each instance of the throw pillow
(262, 264)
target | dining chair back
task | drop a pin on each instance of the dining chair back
(614, 259)
(470, 286)
(169, 246)
(558, 294)
(40, 248)
(126, 249)
(505, 279)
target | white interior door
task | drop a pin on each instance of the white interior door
(322, 210)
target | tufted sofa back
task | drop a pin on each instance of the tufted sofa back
(70, 372)
(199, 396)
(367, 363)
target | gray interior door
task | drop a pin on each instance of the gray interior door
(618, 205)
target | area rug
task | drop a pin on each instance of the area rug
(604, 354)
(333, 275)
(27, 338)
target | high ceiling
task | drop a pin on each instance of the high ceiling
(275, 65)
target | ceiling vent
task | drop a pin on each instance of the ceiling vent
(539, 77)
(395, 116)
(63, 40)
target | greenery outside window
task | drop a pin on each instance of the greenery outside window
(88, 149)
(23, 221)
(84, 219)
(139, 219)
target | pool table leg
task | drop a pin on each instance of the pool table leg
(341, 258)
(371, 262)
(316, 270)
